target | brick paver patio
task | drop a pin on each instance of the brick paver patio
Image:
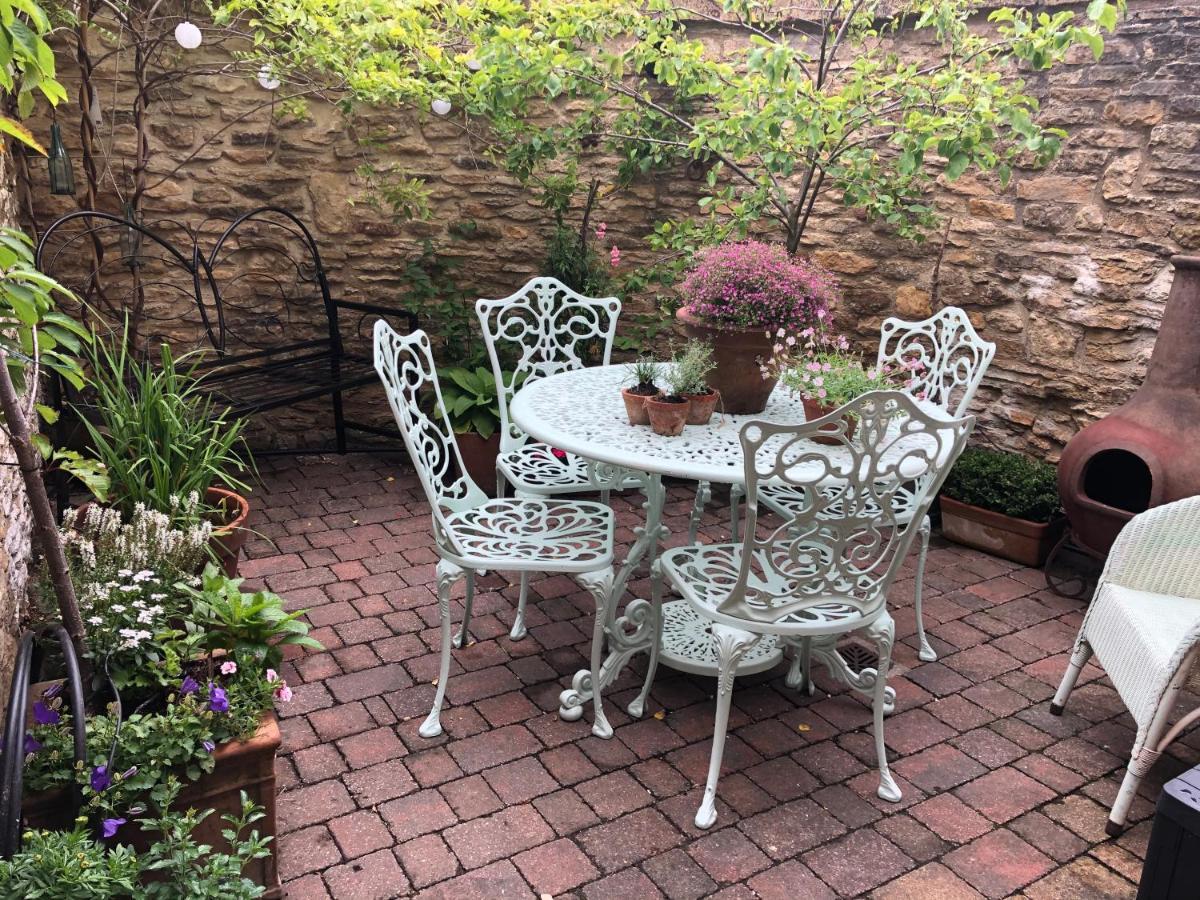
(1000, 797)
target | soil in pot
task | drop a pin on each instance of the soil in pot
(1019, 540)
(479, 458)
(815, 409)
(702, 406)
(738, 354)
(635, 402)
(668, 415)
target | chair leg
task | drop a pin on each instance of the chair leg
(703, 495)
(518, 627)
(600, 586)
(447, 574)
(799, 676)
(638, 706)
(1079, 658)
(606, 497)
(926, 652)
(499, 483)
(464, 635)
(1149, 747)
(735, 498)
(883, 632)
(731, 643)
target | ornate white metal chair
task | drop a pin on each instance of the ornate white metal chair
(544, 328)
(825, 571)
(475, 533)
(953, 359)
(1144, 626)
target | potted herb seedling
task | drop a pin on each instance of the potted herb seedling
(694, 363)
(1004, 504)
(669, 411)
(644, 372)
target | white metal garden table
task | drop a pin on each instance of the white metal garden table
(582, 412)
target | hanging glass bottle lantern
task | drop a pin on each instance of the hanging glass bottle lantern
(131, 238)
(62, 174)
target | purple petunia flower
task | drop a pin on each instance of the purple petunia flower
(111, 826)
(129, 773)
(53, 691)
(208, 745)
(188, 686)
(100, 778)
(44, 715)
(218, 702)
(32, 744)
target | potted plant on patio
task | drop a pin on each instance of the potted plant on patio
(644, 373)
(737, 297)
(167, 446)
(669, 411)
(473, 408)
(1002, 503)
(183, 687)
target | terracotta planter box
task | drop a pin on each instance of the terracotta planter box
(240, 766)
(1018, 540)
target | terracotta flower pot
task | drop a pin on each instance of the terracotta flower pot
(240, 766)
(635, 406)
(737, 354)
(479, 458)
(667, 418)
(815, 409)
(1019, 540)
(702, 406)
(228, 540)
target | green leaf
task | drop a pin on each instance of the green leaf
(957, 165)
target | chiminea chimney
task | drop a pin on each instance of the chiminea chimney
(1144, 453)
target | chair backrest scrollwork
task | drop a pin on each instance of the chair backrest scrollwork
(953, 357)
(547, 328)
(845, 541)
(405, 365)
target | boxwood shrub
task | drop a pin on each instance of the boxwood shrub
(1006, 483)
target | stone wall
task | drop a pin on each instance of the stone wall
(16, 522)
(1067, 270)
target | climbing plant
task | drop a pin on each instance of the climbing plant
(806, 101)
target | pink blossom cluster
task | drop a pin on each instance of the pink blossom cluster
(751, 284)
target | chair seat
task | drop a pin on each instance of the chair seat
(1141, 638)
(534, 534)
(705, 575)
(789, 501)
(537, 468)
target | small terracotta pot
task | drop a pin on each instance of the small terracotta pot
(815, 409)
(701, 406)
(635, 406)
(667, 418)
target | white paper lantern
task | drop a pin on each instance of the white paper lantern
(440, 106)
(267, 79)
(188, 35)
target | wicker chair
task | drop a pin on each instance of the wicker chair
(1144, 626)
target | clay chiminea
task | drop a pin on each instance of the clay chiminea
(1144, 453)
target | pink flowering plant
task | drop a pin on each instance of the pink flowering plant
(822, 368)
(751, 284)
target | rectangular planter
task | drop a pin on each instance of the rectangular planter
(240, 766)
(1018, 540)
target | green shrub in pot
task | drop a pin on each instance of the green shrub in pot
(1008, 483)
(157, 431)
